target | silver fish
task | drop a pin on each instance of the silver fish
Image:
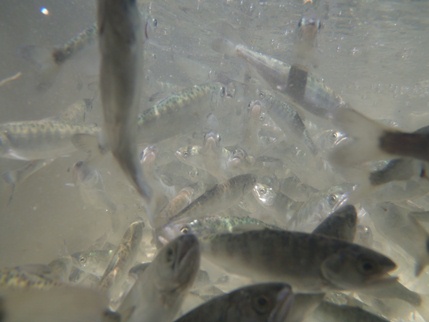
(302, 90)
(179, 113)
(91, 187)
(121, 75)
(306, 261)
(306, 41)
(340, 224)
(161, 287)
(93, 261)
(269, 302)
(123, 259)
(221, 196)
(43, 139)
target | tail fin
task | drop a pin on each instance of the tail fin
(366, 135)
(44, 64)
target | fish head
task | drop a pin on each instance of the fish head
(357, 267)
(308, 27)
(148, 155)
(177, 264)
(211, 141)
(188, 153)
(264, 194)
(4, 144)
(261, 302)
(175, 229)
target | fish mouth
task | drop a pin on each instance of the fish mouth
(285, 299)
(379, 280)
(188, 253)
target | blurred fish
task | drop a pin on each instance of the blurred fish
(303, 306)
(48, 62)
(373, 141)
(306, 261)
(303, 90)
(398, 169)
(65, 303)
(221, 196)
(121, 75)
(61, 268)
(340, 224)
(269, 302)
(396, 225)
(28, 276)
(43, 139)
(91, 187)
(330, 312)
(160, 288)
(179, 113)
(93, 261)
(122, 260)
(306, 41)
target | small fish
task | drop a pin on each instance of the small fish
(43, 139)
(303, 90)
(373, 141)
(28, 276)
(340, 224)
(122, 259)
(212, 225)
(307, 261)
(330, 312)
(160, 288)
(49, 62)
(179, 113)
(268, 302)
(306, 41)
(91, 187)
(65, 303)
(93, 261)
(221, 196)
(396, 225)
(398, 169)
(121, 75)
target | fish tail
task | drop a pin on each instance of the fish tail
(44, 64)
(365, 134)
(224, 46)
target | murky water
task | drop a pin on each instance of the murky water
(373, 53)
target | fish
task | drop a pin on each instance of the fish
(303, 306)
(219, 197)
(211, 225)
(330, 312)
(179, 113)
(120, 34)
(341, 224)
(122, 260)
(301, 90)
(308, 262)
(35, 276)
(398, 170)
(42, 139)
(93, 261)
(260, 302)
(65, 303)
(395, 224)
(289, 120)
(160, 288)
(305, 44)
(91, 187)
(48, 62)
(373, 141)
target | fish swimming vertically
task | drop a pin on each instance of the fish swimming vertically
(122, 260)
(303, 90)
(308, 262)
(161, 287)
(121, 75)
(373, 141)
(268, 302)
(306, 41)
(341, 224)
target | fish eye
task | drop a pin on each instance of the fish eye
(185, 154)
(262, 304)
(300, 22)
(82, 259)
(332, 199)
(79, 164)
(366, 266)
(155, 23)
(184, 230)
(222, 91)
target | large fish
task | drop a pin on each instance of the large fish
(306, 261)
(268, 302)
(161, 287)
(121, 74)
